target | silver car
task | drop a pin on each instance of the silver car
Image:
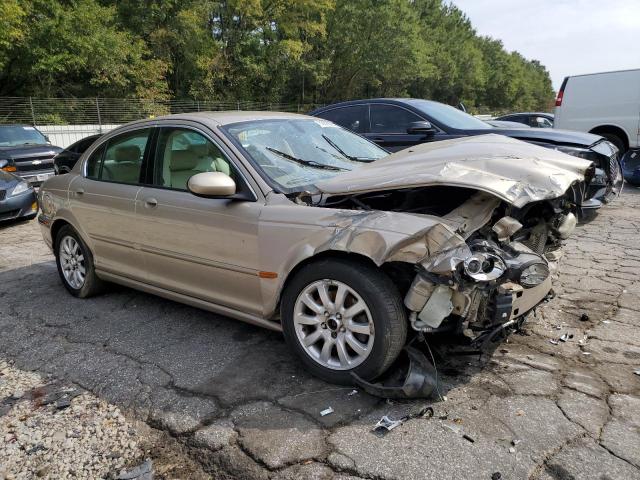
(295, 224)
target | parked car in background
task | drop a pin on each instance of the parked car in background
(531, 119)
(64, 161)
(344, 247)
(399, 123)
(506, 124)
(25, 151)
(606, 104)
(17, 198)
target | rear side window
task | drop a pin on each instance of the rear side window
(123, 157)
(354, 118)
(391, 119)
(94, 162)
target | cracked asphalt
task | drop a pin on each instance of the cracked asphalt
(243, 407)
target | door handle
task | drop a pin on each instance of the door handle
(378, 139)
(151, 202)
(79, 191)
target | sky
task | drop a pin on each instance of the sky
(569, 37)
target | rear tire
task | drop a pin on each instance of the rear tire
(75, 264)
(364, 327)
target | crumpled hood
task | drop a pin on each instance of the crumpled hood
(515, 171)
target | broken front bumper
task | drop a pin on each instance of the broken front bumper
(483, 304)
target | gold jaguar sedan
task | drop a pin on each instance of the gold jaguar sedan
(293, 223)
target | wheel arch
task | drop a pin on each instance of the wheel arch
(398, 272)
(612, 129)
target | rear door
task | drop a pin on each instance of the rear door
(352, 117)
(205, 248)
(389, 125)
(103, 200)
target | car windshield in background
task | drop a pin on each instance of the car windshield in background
(13, 136)
(293, 155)
(450, 117)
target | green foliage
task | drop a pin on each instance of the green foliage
(301, 51)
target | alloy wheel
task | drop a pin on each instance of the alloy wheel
(333, 324)
(72, 262)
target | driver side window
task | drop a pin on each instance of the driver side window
(182, 153)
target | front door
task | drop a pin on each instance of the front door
(104, 202)
(205, 248)
(389, 124)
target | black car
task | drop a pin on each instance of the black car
(398, 123)
(17, 198)
(25, 151)
(531, 119)
(64, 161)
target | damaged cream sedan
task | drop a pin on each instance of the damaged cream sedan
(292, 223)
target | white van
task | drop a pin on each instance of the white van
(607, 104)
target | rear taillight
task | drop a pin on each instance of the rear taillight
(9, 168)
(561, 92)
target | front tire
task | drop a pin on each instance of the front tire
(343, 316)
(75, 264)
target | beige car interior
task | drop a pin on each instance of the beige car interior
(125, 164)
(180, 163)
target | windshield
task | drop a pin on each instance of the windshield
(18, 135)
(294, 154)
(450, 117)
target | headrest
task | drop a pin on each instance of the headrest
(128, 153)
(182, 160)
(200, 150)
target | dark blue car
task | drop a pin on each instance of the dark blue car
(399, 123)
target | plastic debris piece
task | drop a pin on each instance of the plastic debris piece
(468, 438)
(385, 425)
(496, 476)
(566, 336)
(326, 411)
(637, 372)
(554, 342)
(606, 321)
(586, 353)
(453, 427)
(584, 317)
(352, 393)
(519, 412)
(413, 377)
(144, 471)
(515, 442)
(512, 450)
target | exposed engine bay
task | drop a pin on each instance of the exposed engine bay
(493, 279)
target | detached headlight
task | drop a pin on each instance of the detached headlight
(19, 188)
(585, 153)
(484, 267)
(534, 275)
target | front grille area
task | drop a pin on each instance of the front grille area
(614, 167)
(9, 215)
(27, 165)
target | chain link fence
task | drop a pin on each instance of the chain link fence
(114, 111)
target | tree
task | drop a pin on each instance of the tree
(76, 49)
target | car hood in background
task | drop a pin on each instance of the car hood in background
(515, 171)
(546, 135)
(26, 151)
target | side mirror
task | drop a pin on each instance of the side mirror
(212, 184)
(46, 137)
(3, 163)
(424, 128)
